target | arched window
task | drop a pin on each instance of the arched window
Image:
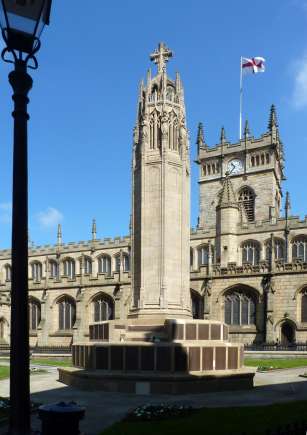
(69, 268)
(2, 328)
(36, 268)
(54, 269)
(117, 263)
(253, 161)
(104, 264)
(67, 313)
(191, 257)
(34, 314)
(299, 248)
(247, 201)
(267, 158)
(304, 306)
(170, 93)
(103, 308)
(87, 264)
(262, 159)
(240, 308)
(203, 255)
(126, 262)
(250, 252)
(8, 272)
(197, 305)
(279, 249)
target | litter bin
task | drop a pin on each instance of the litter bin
(61, 418)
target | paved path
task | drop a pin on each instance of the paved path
(103, 409)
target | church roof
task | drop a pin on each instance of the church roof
(227, 195)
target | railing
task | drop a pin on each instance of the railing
(277, 347)
(5, 348)
(52, 349)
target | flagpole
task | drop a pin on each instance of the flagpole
(241, 100)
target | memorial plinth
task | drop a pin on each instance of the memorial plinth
(175, 357)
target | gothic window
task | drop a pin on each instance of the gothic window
(54, 269)
(239, 308)
(87, 264)
(267, 157)
(209, 169)
(299, 248)
(8, 272)
(279, 249)
(69, 268)
(170, 93)
(104, 264)
(155, 131)
(67, 313)
(250, 252)
(197, 305)
(103, 308)
(2, 328)
(217, 167)
(304, 307)
(204, 170)
(34, 314)
(213, 169)
(247, 201)
(36, 269)
(262, 159)
(253, 161)
(117, 263)
(257, 160)
(154, 93)
(203, 255)
(126, 262)
(191, 257)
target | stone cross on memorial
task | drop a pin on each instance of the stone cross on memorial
(160, 56)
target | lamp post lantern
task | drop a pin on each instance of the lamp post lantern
(22, 22)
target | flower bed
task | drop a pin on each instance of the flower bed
(161, 411)
(266, 368)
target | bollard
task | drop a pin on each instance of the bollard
(61, 418)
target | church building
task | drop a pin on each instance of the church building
(248, 260)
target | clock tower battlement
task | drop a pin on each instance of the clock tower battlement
(255, 167)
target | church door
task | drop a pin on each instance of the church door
(287, 334)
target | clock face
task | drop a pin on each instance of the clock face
(235, 166)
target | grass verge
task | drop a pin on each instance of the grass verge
(253, 420)
(65, 362)
(4, 372)
(276, 363)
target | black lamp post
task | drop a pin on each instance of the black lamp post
(22, 22)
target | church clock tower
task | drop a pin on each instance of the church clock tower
(160, 197)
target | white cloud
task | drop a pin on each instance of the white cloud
(5, 212)
(49, 218)
(300, 83)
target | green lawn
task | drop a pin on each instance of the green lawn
(219, 421)
(276, 363)
(64, 362)
(4, 372)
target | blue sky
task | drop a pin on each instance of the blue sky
(83, 103)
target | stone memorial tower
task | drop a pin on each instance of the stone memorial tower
(159, 347)
(161, 197)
